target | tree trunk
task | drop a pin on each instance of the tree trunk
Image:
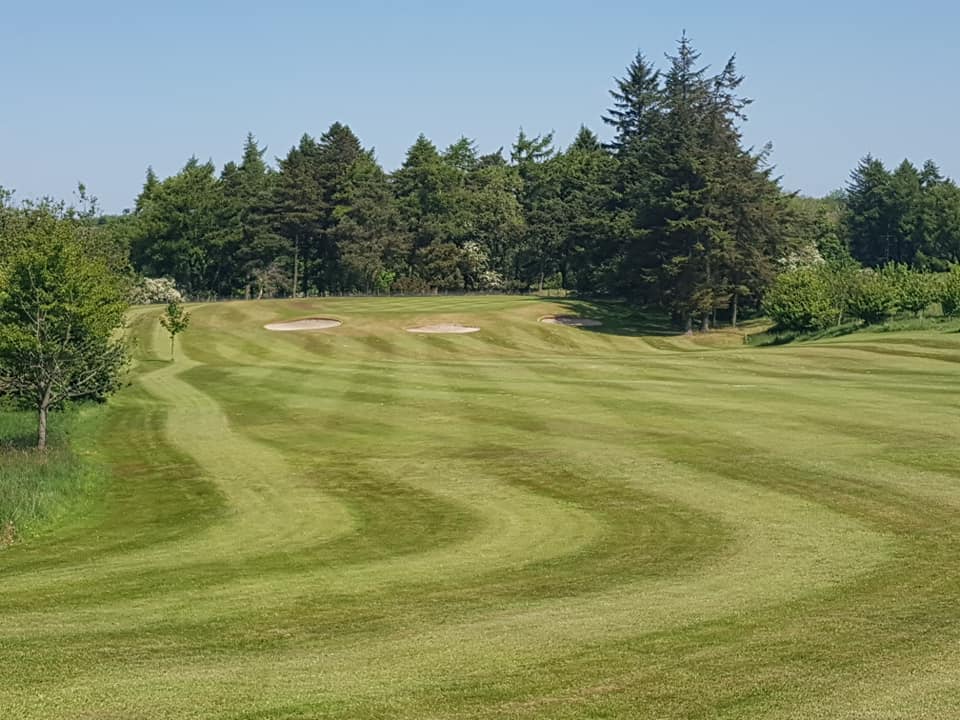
(733, 310)
(688, 324)
(42, 428)
(172, 338)
(705, 323)
(296, 262)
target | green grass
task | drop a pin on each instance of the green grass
(38, 489)
(530, 521)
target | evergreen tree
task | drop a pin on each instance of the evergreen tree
(297, 204)
(372, 247)
(429, 191)
(534, 160)
(871, 221)
(636, 104)
(586, 194)
(176, 230)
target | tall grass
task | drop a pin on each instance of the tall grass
(35, 487)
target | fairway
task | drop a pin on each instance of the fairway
(532, 520)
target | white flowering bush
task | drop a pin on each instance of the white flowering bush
(153, 291)
(491, 280)
(805, 256)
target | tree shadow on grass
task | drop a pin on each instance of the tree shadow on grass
(617, 317)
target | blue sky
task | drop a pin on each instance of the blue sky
(97, 91)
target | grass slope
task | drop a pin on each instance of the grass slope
(531, 521)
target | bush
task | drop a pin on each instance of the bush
(874, 296)
(155, 291)
(915, 290)
(800, 300)
(948, 291)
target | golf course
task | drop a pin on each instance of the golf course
(532, 520)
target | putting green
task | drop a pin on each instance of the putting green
(529, 521)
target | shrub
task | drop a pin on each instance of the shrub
(874, 296)
(155, 291)
(948, 291)
(799, 300)
(915, 290)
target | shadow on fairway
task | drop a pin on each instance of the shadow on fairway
(618, 318)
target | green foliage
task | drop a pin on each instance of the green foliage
(812, 297)
(874, 296)
(908, 215)
(174, 320)
(948, 291)
(801, 300)
(915, 290)
(675, 212)
(61, 304)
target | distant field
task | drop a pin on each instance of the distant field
(529, 521)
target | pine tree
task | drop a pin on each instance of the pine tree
(870, 217)
(297, 205)
(586, 195)
(371, 244)
(636, 104)
(429, 192)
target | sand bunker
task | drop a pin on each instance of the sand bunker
(444, 328)
(304, 324)
(570, 321)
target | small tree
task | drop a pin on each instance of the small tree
(917, 290)
(948, 288)
(874, 297)
(174, 320)
(62, 304)
(800, 300)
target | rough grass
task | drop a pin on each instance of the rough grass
(36, 489)
(531, 521)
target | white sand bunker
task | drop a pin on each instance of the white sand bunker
(304, 324)
(570, 321)
(444, 328)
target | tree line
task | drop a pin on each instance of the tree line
(675, 211)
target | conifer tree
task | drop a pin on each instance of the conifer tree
(636, 104)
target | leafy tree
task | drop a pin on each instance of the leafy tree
(800, 300)
(874, 297)
(948, 289)
(177, 233)
(494, 222)
(61, 304)
(916, 290)
(174, 320)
